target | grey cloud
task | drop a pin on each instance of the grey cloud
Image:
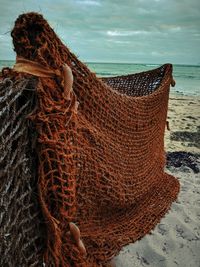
(89, 2)
(115, 30)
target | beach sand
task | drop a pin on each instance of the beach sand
(176, 239)
(184, 123)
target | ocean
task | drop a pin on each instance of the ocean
(187, 77)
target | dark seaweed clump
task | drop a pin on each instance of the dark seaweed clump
(186, 159)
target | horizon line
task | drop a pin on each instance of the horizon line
(118, 62)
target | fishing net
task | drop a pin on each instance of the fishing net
(96, 166)
(21, 234)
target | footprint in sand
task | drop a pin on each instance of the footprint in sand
(162, 229)
(179, 232)
(165, 248)
(186, 233)
(143, 261)
(187, 220)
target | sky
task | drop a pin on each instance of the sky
(135, 31)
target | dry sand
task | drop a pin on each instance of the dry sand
(176, 239)
(184, 122)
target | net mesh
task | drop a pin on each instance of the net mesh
(21, 227)
(101, 166)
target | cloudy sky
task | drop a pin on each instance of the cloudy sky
(138, 31)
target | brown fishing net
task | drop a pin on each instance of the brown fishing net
(100, 164)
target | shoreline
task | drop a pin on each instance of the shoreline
(186, 76)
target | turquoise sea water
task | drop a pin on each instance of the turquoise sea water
(187, 76)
